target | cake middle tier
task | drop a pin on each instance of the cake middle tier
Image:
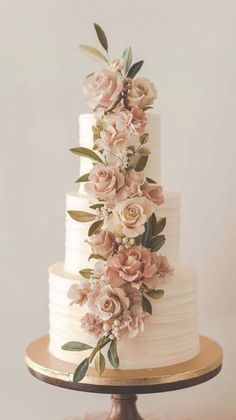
(77, 250)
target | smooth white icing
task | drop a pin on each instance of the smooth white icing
(170, 335)
(77, 250)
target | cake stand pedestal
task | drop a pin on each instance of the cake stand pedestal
(124, 385)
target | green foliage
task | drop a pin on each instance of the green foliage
(134, 69)
(87, 153)
(94, 53)
(81, 370)
(86, 273)
(112, 354)
(127, 56)
(76, 346)
(146, 304)
(101, 36)
(95, 227)
(81, 216)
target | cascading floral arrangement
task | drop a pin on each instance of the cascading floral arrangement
(125, 233)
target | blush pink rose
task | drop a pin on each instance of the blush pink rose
(103, 88)
(142, 93)
(103, 243)
(106, 183)
(78, 293)
(136, 265)
(92, 324)
(153, 192)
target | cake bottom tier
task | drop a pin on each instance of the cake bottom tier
(170, 335)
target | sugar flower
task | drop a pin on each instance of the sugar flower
(103, 88)
(107, 302)
(102, 243)
(92, 324)
(132, 321)
(142, 93)
(129, 217)
(153, 192)
(105, 183)
(136, 265)
(79, 292)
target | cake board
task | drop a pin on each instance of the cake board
(124, 385)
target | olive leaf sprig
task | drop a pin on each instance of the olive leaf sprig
(96, 353)
(130, 70)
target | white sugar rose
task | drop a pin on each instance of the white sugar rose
(107, 302)
(103, 88)
(142, 93)
(129, 217)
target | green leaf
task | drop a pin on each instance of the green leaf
(76, 346)
(95, 227)
(86, 273)
(112, 354)
(101, 36)
(87, 153)
(90, 74)
(155, 294)
(161, 223)
(100, 363)
(127, 56)
(134, 69)
(97, 206)
(145, 151)
(100, 124)
(83, 178)
(96, 257)
(144, 138)
(146, 304)
(81, 370)
(102, 342)
(157, 242)
(150, 180)
(146, 235)
(81, 216)
(94, 53)
(153, 222)
(139, 162)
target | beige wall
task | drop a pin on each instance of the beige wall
(189, 51)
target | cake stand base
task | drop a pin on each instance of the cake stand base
(124, 385)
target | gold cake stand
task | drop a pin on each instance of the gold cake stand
(124, 385)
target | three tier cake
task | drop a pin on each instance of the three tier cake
(121, 299)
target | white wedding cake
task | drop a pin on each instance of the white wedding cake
(117, 299)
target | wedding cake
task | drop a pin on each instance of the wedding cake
(121, 299)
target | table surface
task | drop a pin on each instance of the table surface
(201, 368)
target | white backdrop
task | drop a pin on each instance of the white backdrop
(189, 51)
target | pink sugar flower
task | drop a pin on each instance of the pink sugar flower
(79, 292)
(92, 324)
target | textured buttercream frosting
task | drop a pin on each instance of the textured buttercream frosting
(170, 335)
